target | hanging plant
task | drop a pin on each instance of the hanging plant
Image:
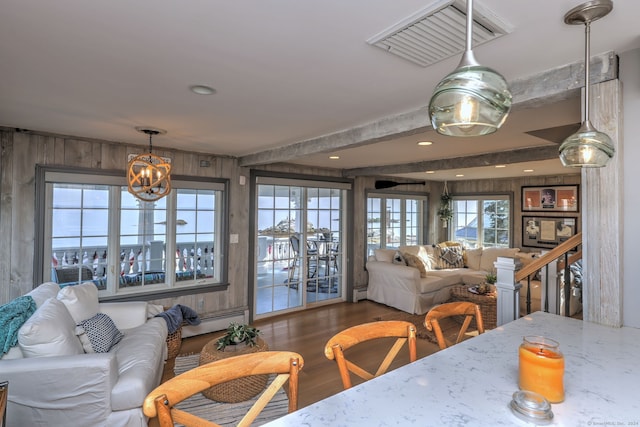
(445, 212)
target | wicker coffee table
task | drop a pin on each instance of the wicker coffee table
(235, 390)
(486, 302)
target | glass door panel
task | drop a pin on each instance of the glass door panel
(299, 252)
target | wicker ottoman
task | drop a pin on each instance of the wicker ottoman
(236, 390)
(487, 303)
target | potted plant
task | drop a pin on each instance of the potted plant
(238, 334)
(445, 212)
(489, 284)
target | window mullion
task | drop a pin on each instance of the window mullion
(113, 246)
(170, 246)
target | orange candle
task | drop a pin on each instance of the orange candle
(542, 368)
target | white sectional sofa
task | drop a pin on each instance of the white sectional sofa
(57, 379)
(417, 287)
(428, 279)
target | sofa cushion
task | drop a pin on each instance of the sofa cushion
(50, 331)
(425, 252)
(140, 360)
(384, 255)
(439, 279)
(490, 255)
(472, 258)
(44, 292)
(81, 300)
(450, 256)
(99, 332)
(416, 262)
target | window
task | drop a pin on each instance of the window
(94, 229)
(482, 221)
(394, 220)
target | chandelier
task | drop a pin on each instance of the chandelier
(148, 175)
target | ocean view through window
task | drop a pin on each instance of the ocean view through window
(94, 229)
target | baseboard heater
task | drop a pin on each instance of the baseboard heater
(215, 323)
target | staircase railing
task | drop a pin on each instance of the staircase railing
(561, 251)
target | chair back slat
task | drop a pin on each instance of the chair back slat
(460, 308)
(335, 349)
(284, 364)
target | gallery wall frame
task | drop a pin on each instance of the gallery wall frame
(559, 198)
(547, 232)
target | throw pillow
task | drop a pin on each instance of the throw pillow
(81, 300)
(399, 259)
(451, 257)
(50, 331)
(472, 258)
(384, 255)
(44, 292)
(100, 332)
(416, 262)
(490, 255)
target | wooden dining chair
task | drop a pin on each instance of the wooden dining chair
(4, 393)
(284, 364)
(461, 308)
(335, 349)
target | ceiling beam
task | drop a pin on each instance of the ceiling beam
(520, 155)
(533, 91)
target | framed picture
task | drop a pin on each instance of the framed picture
(561, 198)
(547, 232)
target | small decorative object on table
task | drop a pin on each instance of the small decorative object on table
(238, 339)
(238, 334)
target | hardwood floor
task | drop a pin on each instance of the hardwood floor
(306, 333)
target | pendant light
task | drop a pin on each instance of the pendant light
(587, 148)
(473, 100)
(148, 175)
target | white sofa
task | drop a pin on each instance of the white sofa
(414, 288)
(53, 382)
(394, 283)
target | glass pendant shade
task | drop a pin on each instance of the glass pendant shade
(587, 148)
(473, 100)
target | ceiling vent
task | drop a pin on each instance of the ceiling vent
(439, 32)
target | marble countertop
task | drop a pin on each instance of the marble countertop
(471, 384)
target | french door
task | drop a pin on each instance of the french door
(299, 245)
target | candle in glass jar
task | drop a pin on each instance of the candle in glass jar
(542, 368)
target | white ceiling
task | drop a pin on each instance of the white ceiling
(285, 71)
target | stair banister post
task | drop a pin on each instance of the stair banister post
(508, 303)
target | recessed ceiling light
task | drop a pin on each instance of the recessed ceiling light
(528, 170)
(459, 175)
(334, 157)
(202, 89)
(430, 172)
(501, 166)
(425, 143)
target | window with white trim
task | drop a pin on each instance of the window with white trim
(394, 220)
(482, 221)
(94, 229)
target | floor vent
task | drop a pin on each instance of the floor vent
(439, 32)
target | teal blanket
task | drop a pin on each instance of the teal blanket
(12, 316)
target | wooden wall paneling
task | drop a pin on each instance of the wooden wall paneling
(78, 153)
(25, 151)
(602, 220)
(58, 151)
(114, 157)
(9, 289)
